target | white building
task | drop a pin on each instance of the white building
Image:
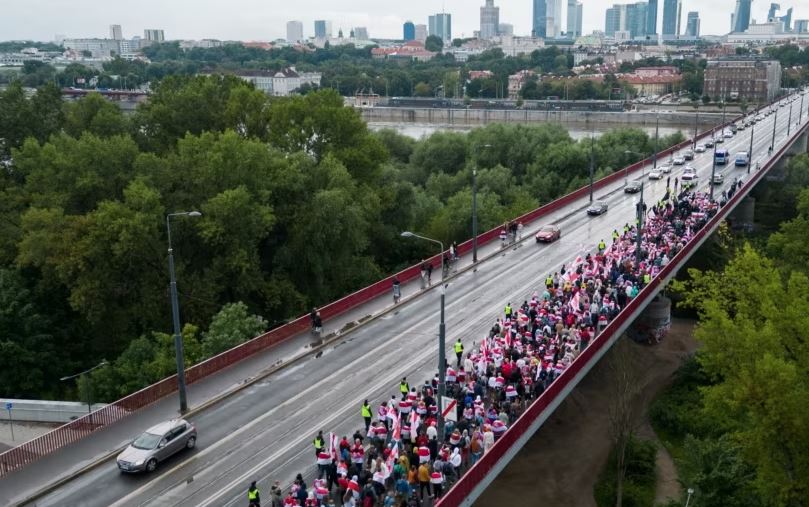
(153, 35)
(98, 48)
(116, 33)
(294, 31)
(515, 46)
(360, 33)
(574, 19)
(283, 82)
(421, 33)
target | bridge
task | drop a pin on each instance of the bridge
(258, 406)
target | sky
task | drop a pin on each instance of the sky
(266, 19)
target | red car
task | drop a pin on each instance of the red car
(548, 233)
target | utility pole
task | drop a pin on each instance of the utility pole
(750, 153)
(657, 139)
(475, 215)
(696, 127)
(592, 161)
(789, 121)
(713, 172)
(774, 123)
(639, 234)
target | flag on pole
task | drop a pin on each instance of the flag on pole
(414, 423)
(397, 429)
(333, 445)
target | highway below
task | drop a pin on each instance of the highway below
(264, 432)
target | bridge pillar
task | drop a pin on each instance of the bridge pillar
(654, 323)
(743, 216)
(799, 147)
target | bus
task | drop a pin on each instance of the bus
(721, 156)
(742, 159)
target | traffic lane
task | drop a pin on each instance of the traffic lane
(589, 236)
(495, 298)
(425, 371)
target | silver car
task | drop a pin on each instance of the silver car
(157, 444)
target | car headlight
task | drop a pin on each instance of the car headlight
(139, 463)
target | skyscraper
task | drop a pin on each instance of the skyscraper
(692, 26)
(741, 17)
(672, 12)
(409, 31)
(116, 33)
(360, 33)
(613, 20)
(489, 20)
(787, 20)
(539, 23)
(421, 32)
(538, 20)
(440, 25)
(636, 18)
(651, 18)
(294, 31)
(574, 17)
(553, 18)
(322, 29)
(774, 8)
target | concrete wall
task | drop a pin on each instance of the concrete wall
(44, 410)
(484, 116)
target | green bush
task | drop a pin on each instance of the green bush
(677, 411)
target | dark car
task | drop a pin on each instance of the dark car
(633, 187)
(548, 233)
(597, 208)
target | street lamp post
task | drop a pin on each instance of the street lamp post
(442, 332)
(175, 313)
(688, 500)
(789, 121)
(750, 153)
(592, 161)
(696, 130)
(657, 140)
(639, 233)
(774, 123)
(475, 210)
(800, 112)
(88, 386)
(713, 172)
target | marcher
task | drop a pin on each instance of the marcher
(319, 443)
(459, 352)
(366, 414)
(397, 290)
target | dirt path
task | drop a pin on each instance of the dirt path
(560, 464)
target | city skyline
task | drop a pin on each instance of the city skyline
(253, 20)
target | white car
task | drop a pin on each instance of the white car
(700, 148)
(689, 173)
(678, 160)
(665, 168)
(728, 134)
(656, 174)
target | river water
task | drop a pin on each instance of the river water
(419, 130)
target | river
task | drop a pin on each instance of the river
(419, 130)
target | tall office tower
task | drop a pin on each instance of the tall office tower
(672, 12)
(116, 33)
(153, 35)
(801, 25)
(441, 26)
(787, 20)
(613, 20)
(322, 29)
(294, 31)
(553, 18)
(361, 33)
(741, 17)
(692, 26)
(651, 18)
(774, 8)
(636, 17)
(574, 15)
(489, 20)
(408, 31)
(539, 20)
(421, 32)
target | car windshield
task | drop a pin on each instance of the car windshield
(147, 441)
(548, 228)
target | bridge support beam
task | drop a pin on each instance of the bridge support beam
(743, 216)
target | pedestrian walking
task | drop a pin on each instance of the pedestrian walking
(459, 352)
(397, 290)
(319, 443)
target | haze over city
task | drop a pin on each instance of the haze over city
(259, 20)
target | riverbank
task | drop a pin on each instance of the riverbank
(561, 463)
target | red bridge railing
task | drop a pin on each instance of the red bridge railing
(52, 441)
(478, 473)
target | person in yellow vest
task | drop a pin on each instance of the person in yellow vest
(319, 443)
(601, 246)
(508, 310)
(253, 497)
(615, 235)
(549, 281)
(459, 351)
(366, 414)
(647, 278)
(404, 387)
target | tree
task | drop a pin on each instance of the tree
(434, 44)
(230, 327)
(715, 469)
(96, 115)
(423, 90)
(755, 350)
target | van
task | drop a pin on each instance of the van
(742, 159)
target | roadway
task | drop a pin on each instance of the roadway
(264, 432)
